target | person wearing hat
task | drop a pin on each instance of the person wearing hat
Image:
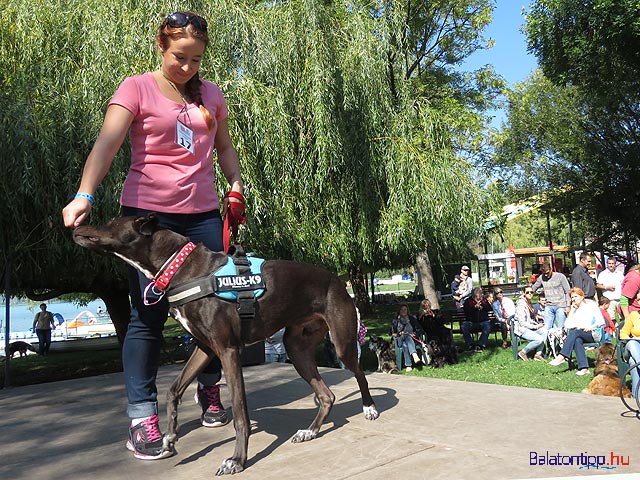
(462, 286)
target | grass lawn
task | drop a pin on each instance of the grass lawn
(494, 365)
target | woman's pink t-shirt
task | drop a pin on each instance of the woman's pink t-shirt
(164, 176)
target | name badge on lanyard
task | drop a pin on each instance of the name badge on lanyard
(184, 137)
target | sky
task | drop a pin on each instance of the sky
(509, 54)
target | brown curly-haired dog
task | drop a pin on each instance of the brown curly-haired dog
(606, 380)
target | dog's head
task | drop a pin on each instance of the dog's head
(606, 355)
(378, 344)
(136, 240)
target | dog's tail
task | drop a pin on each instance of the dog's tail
(31, 348)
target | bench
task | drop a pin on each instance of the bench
(455, 317)
(509, 289)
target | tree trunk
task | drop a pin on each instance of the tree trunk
(359, 289)
(426, 284)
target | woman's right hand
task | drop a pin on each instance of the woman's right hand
(76, 212)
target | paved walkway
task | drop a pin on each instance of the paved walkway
(428, 428)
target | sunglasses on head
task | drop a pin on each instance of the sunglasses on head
(180, 19)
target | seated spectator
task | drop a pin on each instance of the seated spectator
(528, 327)
(476, 313)
(462, 286)
(403, 327)
(540, 306)
(584, 324)
(434, 326)
(426, 315)
(274, 350)
(504, 309)
(609, 325)
(630, 335)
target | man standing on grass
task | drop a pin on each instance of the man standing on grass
(580, 277)
(610, 282)
(556, 291)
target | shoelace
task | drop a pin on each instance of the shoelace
(213, 396)
(151, 429)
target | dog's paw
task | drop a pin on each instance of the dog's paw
(370, 412)
(303, 436)
(169, 442)
(229, 467)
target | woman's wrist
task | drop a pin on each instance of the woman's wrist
(86, 196)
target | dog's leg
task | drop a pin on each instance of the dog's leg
(348, 354)
(230, 358)
(300, 342)
(198, 360)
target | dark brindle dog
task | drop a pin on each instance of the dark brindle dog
(21, 348)
(305, 299)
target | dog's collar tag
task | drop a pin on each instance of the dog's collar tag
(151, 295)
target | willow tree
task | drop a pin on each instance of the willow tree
(340, 170)
(59, 64)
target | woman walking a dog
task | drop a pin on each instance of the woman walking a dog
(175, 120)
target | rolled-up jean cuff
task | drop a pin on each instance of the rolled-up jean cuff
(141, 410)
(209, 379)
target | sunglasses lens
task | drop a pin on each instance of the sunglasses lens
(200, 23)
(179, 20)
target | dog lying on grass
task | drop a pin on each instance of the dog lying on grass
(606, 380)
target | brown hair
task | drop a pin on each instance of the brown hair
(192, 87)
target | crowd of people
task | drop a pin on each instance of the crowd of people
(583, 311)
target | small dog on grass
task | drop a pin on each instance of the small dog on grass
(20, 347)
(441, 354)
(385, 353)
(606, 380)
(555, 339)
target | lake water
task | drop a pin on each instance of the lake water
(22, 314)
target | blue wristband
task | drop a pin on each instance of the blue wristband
(88, 196)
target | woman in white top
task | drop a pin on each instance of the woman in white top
(586, 324)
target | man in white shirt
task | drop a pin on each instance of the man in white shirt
(503, 308)
(610, 282)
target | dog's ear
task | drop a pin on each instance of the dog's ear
(146, 225)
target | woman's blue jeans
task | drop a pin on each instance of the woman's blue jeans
(536, 340)
(633, 347)
(408, 347)
(575, 341)
(143, 341)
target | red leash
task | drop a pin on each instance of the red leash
(234, 217)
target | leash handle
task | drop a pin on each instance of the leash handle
(234, 216)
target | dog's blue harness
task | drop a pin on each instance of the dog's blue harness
(239, 280)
